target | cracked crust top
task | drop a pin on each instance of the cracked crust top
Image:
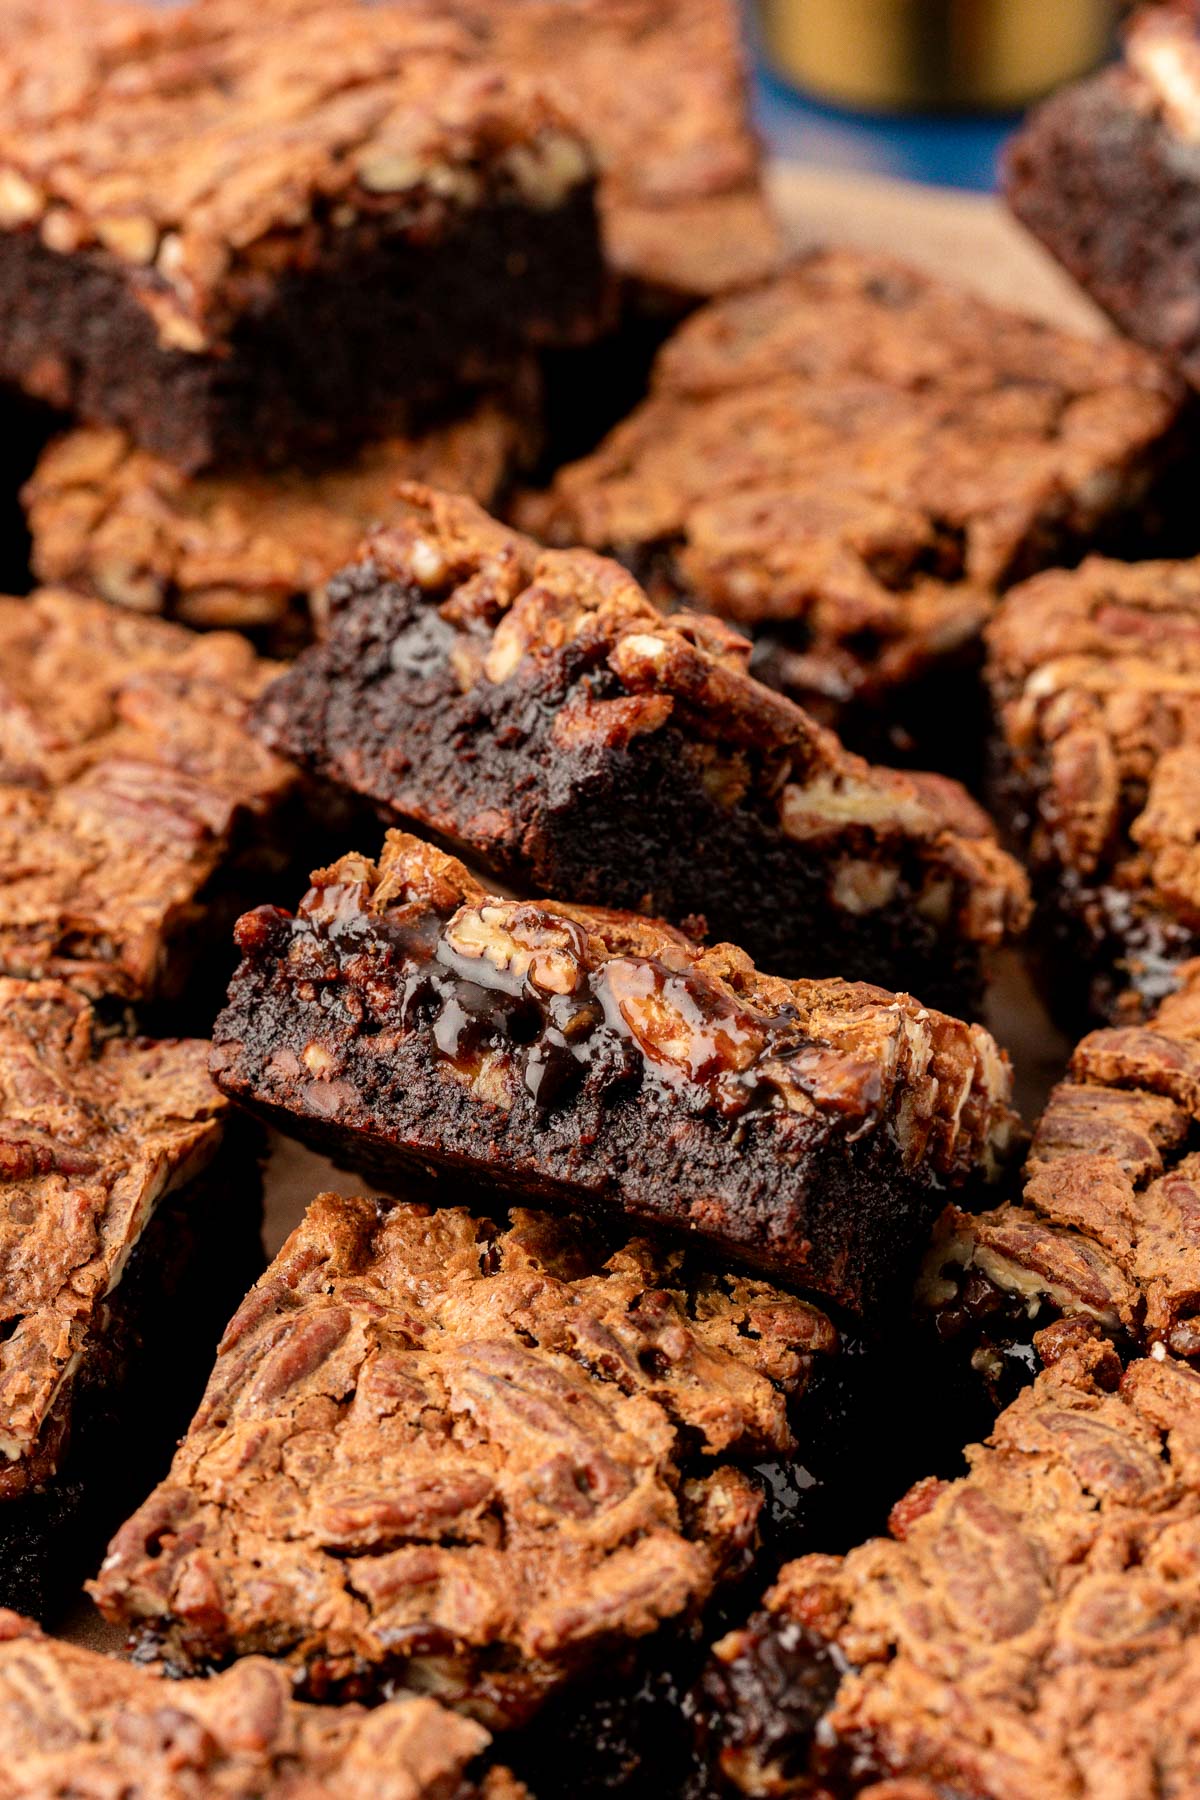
(464, 1457)
(1027, 1632)
(1109, 1227)
(127, 779)
(73, 1722)
(858, 447)
(210, 150)
(247, 550)
(1095, 673)
(579, 633)
(93, 1132)
(702, 1026)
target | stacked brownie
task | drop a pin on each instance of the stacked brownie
(536, 709)
(851, 459)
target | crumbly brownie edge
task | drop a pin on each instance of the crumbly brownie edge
(596, 1120)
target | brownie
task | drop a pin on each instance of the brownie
(237, 231)
(1095, 682)
(409, 1023)
(535, 708)
(659, 87)
(851, 459)
(246, 550)
(472, 1456)
(1108, 1225)
(137, 813)
(128, 1228)
(1026, 1633)
(1106, 175)
(73, 1723)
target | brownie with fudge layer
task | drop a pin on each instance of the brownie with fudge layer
(1094, 677)
(129, 1225)
(241, 549)
(1026, 1632)
(1107, 1227)
(137, 812)
(852, 459)
(236, 232)
(411, 1024)
(1106, 174)
(74, 1722)
(476, 1456)
(535, 708)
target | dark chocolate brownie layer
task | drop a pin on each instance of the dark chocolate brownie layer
(473, 1458)
(137, 814)
(241, 230)
(408, 1022)
(854, 458)
(1095, 682)
(247, 550)
(1108, 1228)
(1107, 175)
(535, 707)
(76, 1724)
(1027, 1633)
(124, 1239)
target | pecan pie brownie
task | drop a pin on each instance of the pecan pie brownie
(247, 550)
(410, 1023)
(535, 708)
(75, 1723)
(236, 231)
(128, 1228)
(1106, 175)
(659, 88)
(470, 1456)
(1095, 683)
(851, 459)
(137, 813)
(1108, 1225)
(1027, 1632)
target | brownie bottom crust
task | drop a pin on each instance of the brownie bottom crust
(134, 1396)
(366, 341)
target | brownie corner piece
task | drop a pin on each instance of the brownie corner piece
(73, 1721)
(417, 219)
(535, 707)
(129, 1225)
(137, 812)
(476, 1455)
(1104, 174)
(1026, 1629)
(1094, 676)
(406, 1021)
